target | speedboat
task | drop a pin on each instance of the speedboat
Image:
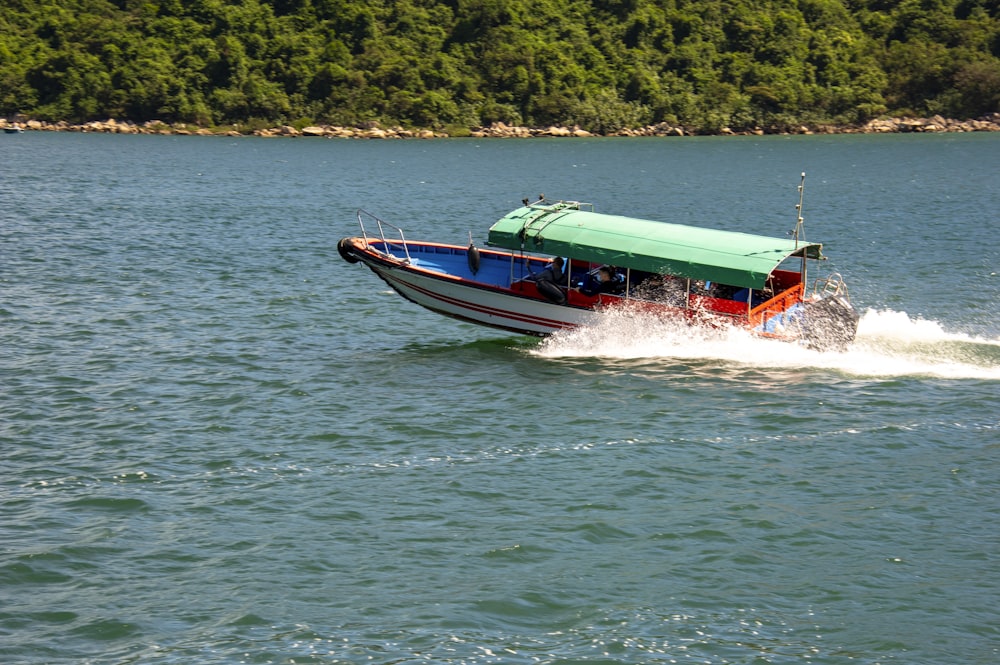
(551, 265)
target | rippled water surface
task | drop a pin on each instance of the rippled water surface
(223, 444)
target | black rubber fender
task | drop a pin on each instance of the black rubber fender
(345, 253)
(472, 255)
(551, 292)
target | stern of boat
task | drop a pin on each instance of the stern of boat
(829, 321)
(829, 324)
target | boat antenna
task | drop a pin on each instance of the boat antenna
(799, 229)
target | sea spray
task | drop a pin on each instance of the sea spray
(889, 344)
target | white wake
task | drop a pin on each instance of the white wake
(888, 344)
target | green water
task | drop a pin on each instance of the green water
(223, 444)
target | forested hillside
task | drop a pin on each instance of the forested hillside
(601, 64)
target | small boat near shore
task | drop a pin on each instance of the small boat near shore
(550, 265)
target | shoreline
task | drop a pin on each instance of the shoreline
(934, 125)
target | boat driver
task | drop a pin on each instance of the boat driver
(603, 280)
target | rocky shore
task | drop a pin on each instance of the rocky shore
(935, 124)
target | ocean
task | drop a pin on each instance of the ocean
(223, 444)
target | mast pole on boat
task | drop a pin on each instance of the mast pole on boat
(799, 228)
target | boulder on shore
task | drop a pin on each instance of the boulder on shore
(371, 130)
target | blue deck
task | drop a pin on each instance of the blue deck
(494, 269)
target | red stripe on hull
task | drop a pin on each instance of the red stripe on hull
(549, 324)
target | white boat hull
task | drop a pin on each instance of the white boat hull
(484, 306)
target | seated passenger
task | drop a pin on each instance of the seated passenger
(553, 272)
(603, 280)
(549, 279)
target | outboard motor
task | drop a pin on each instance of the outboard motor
(829, 324)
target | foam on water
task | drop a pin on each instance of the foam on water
(888, 344)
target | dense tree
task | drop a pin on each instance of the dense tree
(602, 64)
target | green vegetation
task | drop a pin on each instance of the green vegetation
(602, 64)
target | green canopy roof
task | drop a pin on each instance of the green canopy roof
(726, 257)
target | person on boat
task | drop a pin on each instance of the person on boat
(553, 272)
(549, 279)
(604, 280)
